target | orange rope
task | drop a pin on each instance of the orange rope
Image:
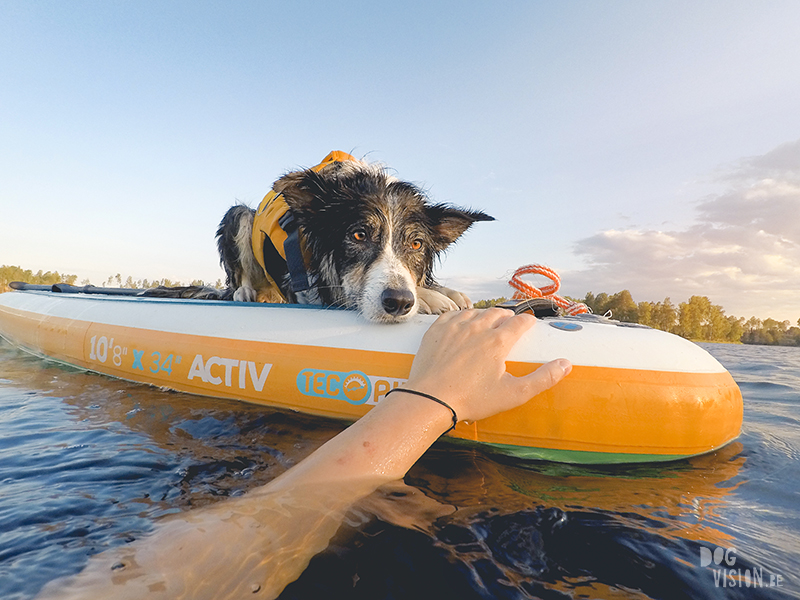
(526, 290)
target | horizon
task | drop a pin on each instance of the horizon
(119, 280)
(653, 148)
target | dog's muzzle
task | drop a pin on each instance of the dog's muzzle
(397, 302)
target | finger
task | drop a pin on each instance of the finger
(444, 323)
(493, 317)
(461, 317)
(509, 331)
(518, 324)
(544, 377)
(452, 315)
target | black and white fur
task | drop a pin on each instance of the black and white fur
(372, 239)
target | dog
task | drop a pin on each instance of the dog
(344, 233)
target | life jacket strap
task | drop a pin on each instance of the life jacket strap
(303, 285)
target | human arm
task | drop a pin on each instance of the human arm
(461, 361)
(256, 544)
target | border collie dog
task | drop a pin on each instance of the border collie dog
(343, 233)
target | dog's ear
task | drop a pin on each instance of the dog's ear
(450, 222)
(304, 191)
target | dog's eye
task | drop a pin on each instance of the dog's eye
(359, 235)
(416, 244)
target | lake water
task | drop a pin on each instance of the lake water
(88, 463)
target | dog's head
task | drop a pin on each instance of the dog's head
(372, 238)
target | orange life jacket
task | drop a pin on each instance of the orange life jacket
(278, 245)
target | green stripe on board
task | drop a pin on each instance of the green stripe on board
(581, 457)
(575, 457)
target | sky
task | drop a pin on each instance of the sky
(648, 146)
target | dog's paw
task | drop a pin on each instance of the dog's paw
(245, 294)
(461, 300)
(432, 302)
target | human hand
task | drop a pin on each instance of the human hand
(462, 358)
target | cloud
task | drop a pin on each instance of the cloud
(780, 163)
(743, 250)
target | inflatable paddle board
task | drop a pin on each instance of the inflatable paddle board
(635, 394)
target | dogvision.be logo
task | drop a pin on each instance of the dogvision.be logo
(354, 386)
(727, 574)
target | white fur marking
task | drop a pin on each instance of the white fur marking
(388, 272)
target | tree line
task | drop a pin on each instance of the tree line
(143, 284)
(10, 273)
(696, 319)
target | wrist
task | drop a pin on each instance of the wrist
(439, 410)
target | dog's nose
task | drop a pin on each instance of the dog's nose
(397, 302)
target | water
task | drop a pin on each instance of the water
(88, 463)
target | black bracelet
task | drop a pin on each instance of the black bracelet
(429, 397)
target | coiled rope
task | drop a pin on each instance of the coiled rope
(526, 290)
